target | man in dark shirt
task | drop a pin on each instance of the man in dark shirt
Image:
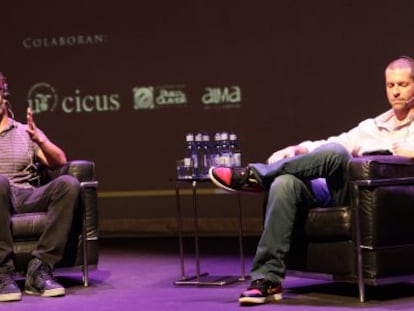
(21, 146)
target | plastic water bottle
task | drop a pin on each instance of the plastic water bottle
(225, 154)
(206, 154)
(190, 157)
(235, 151)
(200, 154)
(215, 150)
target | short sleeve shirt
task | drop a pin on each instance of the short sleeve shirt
(17, 153)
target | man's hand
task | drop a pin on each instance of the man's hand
(287, 152)
(35, 135)
(403, 149)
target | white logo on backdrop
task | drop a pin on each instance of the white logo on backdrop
(42, 97)
(143, 97)
(171, 96)
(224, 97)
(64, 41)
(150, 97)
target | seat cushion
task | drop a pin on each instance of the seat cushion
(28, 225)
(329, 224)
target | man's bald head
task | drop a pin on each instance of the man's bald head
(402, 62)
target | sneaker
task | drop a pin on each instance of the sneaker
(261, 291)
(40, 281)
(9, 291)
(235, 179)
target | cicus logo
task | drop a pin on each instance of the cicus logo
(42, 97)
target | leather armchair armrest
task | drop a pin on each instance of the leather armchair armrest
(381, 167)
(383, 192)
(83, 170)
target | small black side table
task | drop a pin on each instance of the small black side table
(203, 278)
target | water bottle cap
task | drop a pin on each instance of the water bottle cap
(189, 137)
(224, 136)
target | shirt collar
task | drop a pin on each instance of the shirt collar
(11, 125)
(389, 121)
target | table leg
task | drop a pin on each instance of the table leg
(180, 230)
(188, 280)
(242, 261)
(195, 229)
(205, 279)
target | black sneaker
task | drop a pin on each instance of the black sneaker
(235, 179)
(9, 291)
(40, 281)
(261, 291)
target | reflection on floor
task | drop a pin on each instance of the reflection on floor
(139, 274)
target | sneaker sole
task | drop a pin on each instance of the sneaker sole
(220, 185)
(11, 297)
(47, 293)
(260, 300)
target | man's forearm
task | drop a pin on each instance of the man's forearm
(53, 155)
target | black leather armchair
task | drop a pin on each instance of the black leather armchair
(370, 242)
(82, 246)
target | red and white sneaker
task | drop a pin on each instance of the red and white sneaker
(235, 179)
(261, 291)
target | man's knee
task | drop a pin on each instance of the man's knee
(68, 184)
(285, 185)
(334, 151)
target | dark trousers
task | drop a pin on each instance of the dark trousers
(296, 183)
(58, 198)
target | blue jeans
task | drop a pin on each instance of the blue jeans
(317, 178)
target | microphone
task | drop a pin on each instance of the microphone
(410, 100)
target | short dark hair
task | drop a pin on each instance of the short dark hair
(4, 89)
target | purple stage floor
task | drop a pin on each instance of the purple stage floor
(138, 274)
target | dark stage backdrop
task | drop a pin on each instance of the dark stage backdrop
(122, 83)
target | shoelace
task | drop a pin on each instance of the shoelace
(247, 177)
(262, 285)
(5, 280)
(256, 284)
(45, 273)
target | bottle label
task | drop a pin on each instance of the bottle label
(225, 159)
(195, 161)
(236, 160)
(188, 162)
